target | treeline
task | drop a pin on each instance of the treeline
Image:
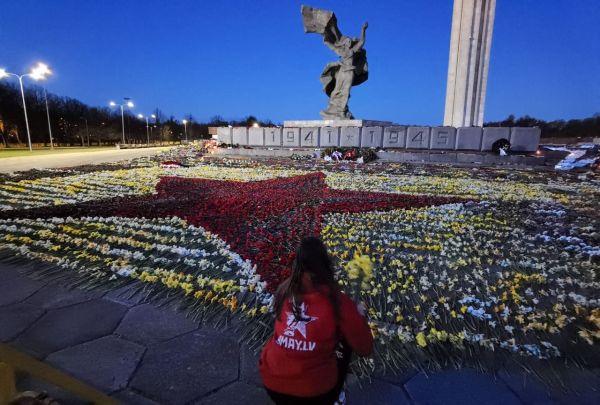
(248, 121)
(584, 128)
(74, 123)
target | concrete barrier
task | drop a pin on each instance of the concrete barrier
(273, 137)
(468, 138)
(224, 135)
(240, 136)
(443, 138)
(371, 137)
(418, 137)
(291, 137)
(256, 136)
(493, 134)
(329, 136)
(350, 136)
(394, 137)
(524, 139)
(309, 137)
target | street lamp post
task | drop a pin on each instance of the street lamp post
(87, 130)
(185, 130)
(140, 116)
(25, 111)
(152, 126)
(48, 115)
(39, 72)
(128, 103)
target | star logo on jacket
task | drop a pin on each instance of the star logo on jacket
(299, 325)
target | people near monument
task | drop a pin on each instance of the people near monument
(317, 327)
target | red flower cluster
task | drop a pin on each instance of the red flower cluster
(351, 154)
(263, 221)
(170, 163)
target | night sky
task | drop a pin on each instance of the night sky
(235, 58)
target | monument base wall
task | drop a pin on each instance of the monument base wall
(379, 134)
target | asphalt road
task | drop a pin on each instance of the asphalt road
(70, 159)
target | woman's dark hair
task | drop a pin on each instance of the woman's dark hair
(311, 258)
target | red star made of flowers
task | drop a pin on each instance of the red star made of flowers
(264, 221)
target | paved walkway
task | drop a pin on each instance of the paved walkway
(71, 159)
(140, 354)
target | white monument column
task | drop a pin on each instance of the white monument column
(470, 43)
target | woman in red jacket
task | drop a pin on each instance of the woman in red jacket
(298, 365)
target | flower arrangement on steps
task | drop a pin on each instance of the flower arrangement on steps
(365, 155)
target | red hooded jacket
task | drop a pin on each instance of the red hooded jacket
(300, 358)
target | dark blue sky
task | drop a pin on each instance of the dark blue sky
(235, 58)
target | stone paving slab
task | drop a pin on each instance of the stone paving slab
(376, 392)
(238, 393)
(15, 318)
(130, 397)
(17, 287)
(68, 326)
(187, 367)
(106, 363)
(55, 295)
(398, 379)
(584, 387)
(147, 324)
(459, 387)
(123, 295)
(9, 271)
(249, 366)
(526, 387)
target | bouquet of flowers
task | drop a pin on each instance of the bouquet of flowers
(360, 272)
(351, 154)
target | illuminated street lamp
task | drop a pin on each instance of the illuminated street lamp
(48, 116)
(127, 103)
(185, 129)
(152, 126)
(141, 116)
(38, 72)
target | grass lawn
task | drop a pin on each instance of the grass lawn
(15, 152)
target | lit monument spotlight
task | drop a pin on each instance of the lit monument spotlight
(37, 73)
(126, 103)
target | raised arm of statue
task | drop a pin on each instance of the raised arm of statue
(361, 41)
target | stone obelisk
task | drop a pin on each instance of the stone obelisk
(470, 43)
